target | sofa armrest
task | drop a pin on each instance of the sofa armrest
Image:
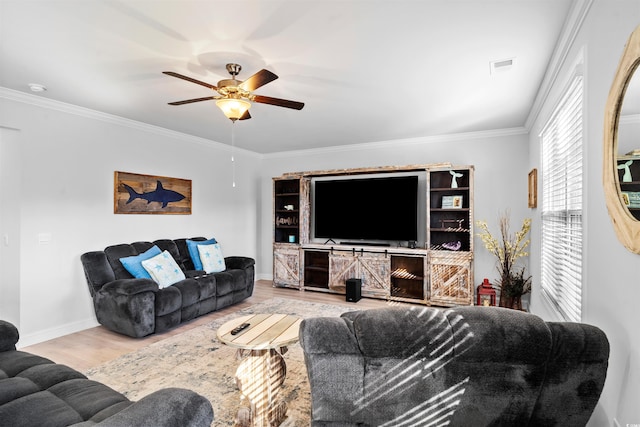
(327, 335)
(576, 370)
(130, 286)
(238, 262)
(8, 336)
(169, 407)
(336, 371)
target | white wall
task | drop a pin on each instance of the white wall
(611, 289)
(500, 159)
(10, 225)
(68, 158)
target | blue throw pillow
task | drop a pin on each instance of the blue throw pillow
(133, 264)
(192, 246)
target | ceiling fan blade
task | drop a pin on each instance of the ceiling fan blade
(189, 101)
(189, 79)
(279, 102)
(245, 116)
(259, 79)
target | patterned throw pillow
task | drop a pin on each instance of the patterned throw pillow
(192, 246)
(212, 258)
(163, 269)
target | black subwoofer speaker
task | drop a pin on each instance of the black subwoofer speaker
(354, 288)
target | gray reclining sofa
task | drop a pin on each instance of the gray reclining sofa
(138, 306)
(465, 366)
(34, 391)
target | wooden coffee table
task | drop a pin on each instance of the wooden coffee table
(262, 370)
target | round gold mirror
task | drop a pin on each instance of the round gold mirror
(621, 168)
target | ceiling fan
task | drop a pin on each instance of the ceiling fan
(235, 96)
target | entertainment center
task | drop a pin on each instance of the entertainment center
(405, 231)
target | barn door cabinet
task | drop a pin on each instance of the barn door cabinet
(372, 268)
(286, 266)
(439, 273)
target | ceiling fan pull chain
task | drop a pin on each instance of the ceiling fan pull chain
(233, 159)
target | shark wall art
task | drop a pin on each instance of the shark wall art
(149, 194)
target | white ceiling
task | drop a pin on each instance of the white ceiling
(367, 71)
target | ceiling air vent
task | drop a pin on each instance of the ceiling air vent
(501, 65)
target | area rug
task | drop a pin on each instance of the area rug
(198, 361)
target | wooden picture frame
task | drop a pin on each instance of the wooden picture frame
(533, 188)
(150, 194)
(452, 202)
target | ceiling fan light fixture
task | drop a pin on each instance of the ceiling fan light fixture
(233, 108)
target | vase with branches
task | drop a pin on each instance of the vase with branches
(509, 248)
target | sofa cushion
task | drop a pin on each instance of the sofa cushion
(87, 397)
(14, 362)
(224, 283)
(49, 374)
(14, 388)
(211, 258)
(192, 247)
(171, 247)
(163, 269)
(114, 253)
(133, 263)
(28, 411)
(400, 331)
(238, 281)
(185, 257)
(189, 291)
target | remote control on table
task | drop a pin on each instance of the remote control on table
(238, 329)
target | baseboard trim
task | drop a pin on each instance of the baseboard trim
(49, 334)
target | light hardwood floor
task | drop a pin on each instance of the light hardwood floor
(92, 347)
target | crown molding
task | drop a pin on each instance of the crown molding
(573, 24)
(396, 143)
(38, 101)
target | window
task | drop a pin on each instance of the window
(561, 247)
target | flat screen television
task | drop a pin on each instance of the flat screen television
(372, 209)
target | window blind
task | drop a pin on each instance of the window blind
(561, 247)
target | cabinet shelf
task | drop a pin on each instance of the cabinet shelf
(438, 189)
(407, 277)
(287, 221)
(450, 227)
(315, 268)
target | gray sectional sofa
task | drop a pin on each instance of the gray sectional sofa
(465, 366)
(34, 391)
(139, 306)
